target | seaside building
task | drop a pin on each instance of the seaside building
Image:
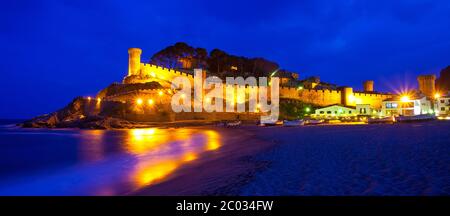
(407, 106)
(442, 105)
(335, 111)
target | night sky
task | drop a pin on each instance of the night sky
(52, 51)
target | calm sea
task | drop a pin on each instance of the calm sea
(95, 162)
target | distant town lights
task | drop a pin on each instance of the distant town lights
(89, 98)
(160, 93)
(150, 101)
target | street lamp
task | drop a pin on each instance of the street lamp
(405, 98)
(437, 95)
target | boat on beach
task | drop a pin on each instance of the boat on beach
(293, 123)
(271, 123)
(423, 117)
(382, 120)
(314, 121)
(233, 124)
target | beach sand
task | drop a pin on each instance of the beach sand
(400, 159)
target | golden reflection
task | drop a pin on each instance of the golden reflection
(143, 140)
(212, 141)
(190, 156)
(162, 151)
(153, 172)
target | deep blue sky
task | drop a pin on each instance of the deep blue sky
(52, 51)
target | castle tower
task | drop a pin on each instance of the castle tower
(368, 86)
(347, 97)
(427, 84)
(134, 61)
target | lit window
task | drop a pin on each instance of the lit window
(442, 108)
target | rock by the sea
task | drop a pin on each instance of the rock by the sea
(76, 115)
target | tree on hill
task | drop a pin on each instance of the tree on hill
(218, 62)
(443, 82)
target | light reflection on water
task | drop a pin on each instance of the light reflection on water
(119, 162)
(164, 159)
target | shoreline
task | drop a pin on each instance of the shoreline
(205, 177)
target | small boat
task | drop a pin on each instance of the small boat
(314, 121)
(233, 124)
(389, 119)
(271, 123)
(293, 123)
(423, 117)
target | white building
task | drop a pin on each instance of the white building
(442, 105)
(406, 106)
(335, 111)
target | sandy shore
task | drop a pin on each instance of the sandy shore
(401, 159)
(222, 172)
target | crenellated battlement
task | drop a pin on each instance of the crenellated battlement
(146, 72)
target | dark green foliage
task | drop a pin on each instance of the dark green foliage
(218, 62)
(294, 109)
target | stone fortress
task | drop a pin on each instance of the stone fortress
(147, 92)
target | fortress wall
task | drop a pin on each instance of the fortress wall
(375, 100)
(329, 97)
(312, 96)
(162, 73)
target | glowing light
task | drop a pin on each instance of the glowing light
(307, 109)
(273, 73)
(153, 74)
(351, 98)
(300, 88)
(139, 101)
(150, 101)
(152, 174)
(99, 100)
(405, 98)
(183, 96)
(160, 93)
(189, 157)
(240, 99)
(213, 140)
(340, 111)
(207, 100)
(437, 95)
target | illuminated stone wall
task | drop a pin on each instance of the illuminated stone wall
(142, 73)
(329, 97)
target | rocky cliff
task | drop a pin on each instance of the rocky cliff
(77, 115)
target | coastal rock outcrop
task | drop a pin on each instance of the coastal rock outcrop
(77, 115)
